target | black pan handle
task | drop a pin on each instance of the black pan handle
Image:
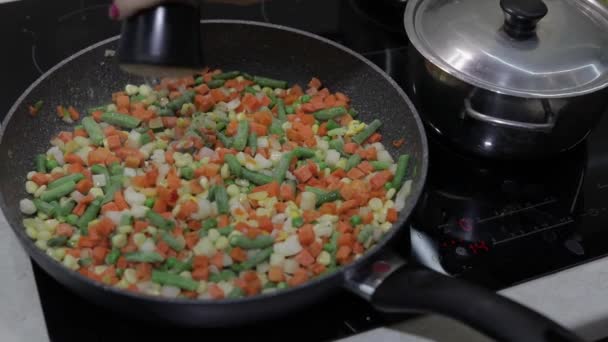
(410, 289)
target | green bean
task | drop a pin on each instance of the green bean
(360, 137)
(224, 275)
(211, 193)
(305, 98)
(329, 113)
(210, 223)
(252, 142)
(227, 142)
(176, 104)
(166, 278)
(41, 163)
(126, 220)
(276, 128)
(331, 124)
(225, 231)
(328, 197)
(172, 241)
(365, 233)
(58, 191)
(113, 256)
(257, 259)
(213, 84)
(401, 171)
(247, 76)
(273, 99)
(89, 215)
(221, 199)
(144, 257)
(93, 130)
(116, 169)
(234, 165)
(120, 120)
(96, 109)
(283, 166)
(71, 219)
(110, 191)
(281, 113)
(186, 173)
(181, 266)
(316, 191)
(250, 90)
(303, 152)
(199, 80)
(66, 208)
(85, 262)
(159, 221)
(144, 138)
(226, 75)
(149, 202)
(261, 241)
(166, 112)
(236, 292)
(75, 177)
(256, 177)
(50, 164)
(353, 112)
(332, 247)
(337, 145)
(269, 82)
(99, 169)
(240, 139)
(353, 161)
(57, 241)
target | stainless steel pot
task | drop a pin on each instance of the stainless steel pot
(511, 78)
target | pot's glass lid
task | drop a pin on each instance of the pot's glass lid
(529, 48)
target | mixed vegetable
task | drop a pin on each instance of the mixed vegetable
(221, 185)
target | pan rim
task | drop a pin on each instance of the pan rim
(339, 274)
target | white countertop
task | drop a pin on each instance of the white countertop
(576, 298)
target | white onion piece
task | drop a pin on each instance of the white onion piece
(384, 156)
(226, 259)
(262, 142)
(278, 218)
(144, 285)
(402, 195)
(114, 216)
(133, 197)
(332, 157)
(163, 170)
(76, 196)
(206, 152)
(232, 105)
(57, 154)
(139, 211)
(169, 291)
(289, 247)
(262, 162)
(147, 246)
(99, 180)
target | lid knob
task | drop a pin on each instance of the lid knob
(521, 16)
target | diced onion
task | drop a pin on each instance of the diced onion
(57, 154)
(133, 197)
(148, 246)
(332, 157)
(76, 196)
(206, 152)
(402, 195)
(169, 291)
(99, 180)
(384, 156)
(234, 104)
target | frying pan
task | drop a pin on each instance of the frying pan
(391, 283)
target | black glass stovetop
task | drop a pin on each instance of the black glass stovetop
(496, 224)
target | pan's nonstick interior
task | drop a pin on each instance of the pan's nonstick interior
(89, 78)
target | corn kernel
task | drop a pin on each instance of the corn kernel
(130, 275)
(221, 242)
(139, 239)
(324, 258)
(31, 187)
(225, 171)
(39, 191)
(375, 204)
(119, 240)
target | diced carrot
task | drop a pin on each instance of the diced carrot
(120, 201)
(169, 121)
(315, 249)
(99, 254)
(271, 188)
(303, 174)
(380, 178)
(217, 260)
(314, 83)
(346, 239)
(368, 218)
(342, 254)
(232, 128)
(339, 173)
(143, 271)
(98, 156)
(391, 215)
(110, 206)
(280, 207)
(287, 192)
(113, 142)
(217, 95)
(318, 269)
(275, 274)
(202, 89)
(299, 277)
(74, 115)
(398, 143)
(238, 254)
(355, 173)
(140, 225)
(215, 291)
(40, 178)
(97, 115)
(304, 258)
(306, 234)
(203, 103)
(79, 132)
(72, 158)
(133, 161)
(122, 262)
(366, 167)
(223, 221)
(259, 129)
(173, 181)
(122, 101)
(310, 216)
(187, 208)
(64, 229)
(329, 208)
(86, 242)
(263, 117)
(376, 137)
(201, 273)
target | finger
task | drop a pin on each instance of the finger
(121, 9)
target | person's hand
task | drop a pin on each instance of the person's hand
(121, 9)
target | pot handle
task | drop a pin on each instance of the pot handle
(408, 289)
(528, 126)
